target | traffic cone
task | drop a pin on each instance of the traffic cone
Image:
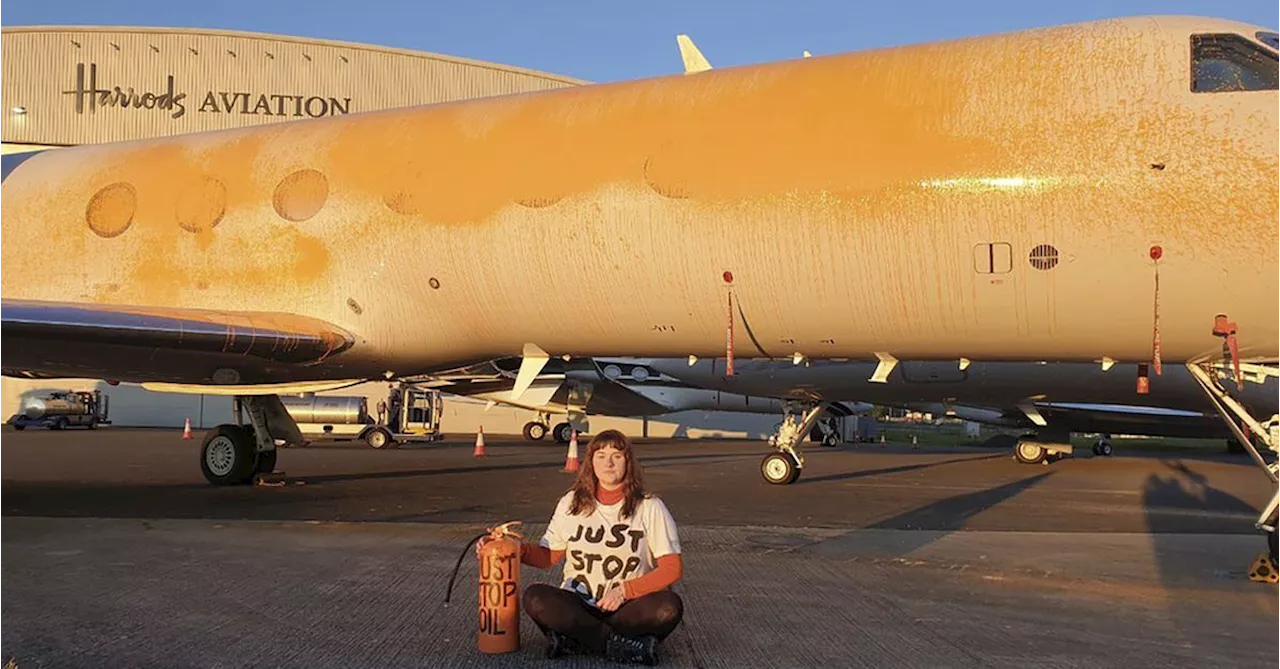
(914, 444)
(571, 462)
(881, 440)
(186, 430)
(479, 452)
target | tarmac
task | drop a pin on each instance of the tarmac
(117, 553)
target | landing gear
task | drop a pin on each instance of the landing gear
(1038, 449)
(783, 466)
(534, 431)
(235, 454)
(228, 456)
(563, 433)
(1232, 411)
(1029, 452)
(266, 462)
(1102, 445)
(825, 432)
(780, 468)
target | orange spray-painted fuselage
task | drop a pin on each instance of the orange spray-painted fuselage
(995, 198)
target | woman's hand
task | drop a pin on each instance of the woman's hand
(613, 599)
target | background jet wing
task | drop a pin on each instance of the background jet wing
(30, 326)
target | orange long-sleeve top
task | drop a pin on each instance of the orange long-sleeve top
(669, 568)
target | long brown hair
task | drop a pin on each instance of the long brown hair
(584, 487)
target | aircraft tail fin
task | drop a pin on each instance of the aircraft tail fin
(694, 61)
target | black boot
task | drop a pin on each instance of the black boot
(643, 650)
(561, 644)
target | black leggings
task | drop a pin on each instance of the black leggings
(552, 608)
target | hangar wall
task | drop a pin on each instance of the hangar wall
(85, 85)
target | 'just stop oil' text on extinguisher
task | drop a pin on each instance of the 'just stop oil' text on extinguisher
(499, 595)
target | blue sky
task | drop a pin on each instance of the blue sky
(612, 40)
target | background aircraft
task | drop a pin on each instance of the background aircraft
(579, 388)
(1052, 400)
(1047, 402)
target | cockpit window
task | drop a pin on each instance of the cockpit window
(1228, 62)
(1270, 39)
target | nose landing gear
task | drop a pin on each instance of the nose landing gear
(1264, 568)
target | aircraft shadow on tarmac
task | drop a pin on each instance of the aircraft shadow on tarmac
(1187, 489)
(199, 500)
(936, 520)
(649, 461)
(953, 513)
(889, 470)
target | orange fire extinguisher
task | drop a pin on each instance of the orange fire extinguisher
(498, 628)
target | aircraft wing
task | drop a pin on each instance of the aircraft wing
(186, 346)
(1082, 417)
(545, 394)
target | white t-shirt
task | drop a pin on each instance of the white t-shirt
(601, 549)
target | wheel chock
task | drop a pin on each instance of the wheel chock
(272, 479)
(1263, 570)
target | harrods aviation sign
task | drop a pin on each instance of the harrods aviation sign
(90, 97)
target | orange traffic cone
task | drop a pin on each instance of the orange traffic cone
(571, 462)
(479, 452)
(186, 430)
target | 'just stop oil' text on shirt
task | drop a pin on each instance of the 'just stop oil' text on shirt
(602, 548)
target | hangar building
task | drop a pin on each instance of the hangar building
(86, 85)
(71, 85)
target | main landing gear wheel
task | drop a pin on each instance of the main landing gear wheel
(228, 455)
(1029, 452)
(563, 433)
(779, 469)
(534, 431)
(1102, 448)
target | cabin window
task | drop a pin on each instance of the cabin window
(1227, 63)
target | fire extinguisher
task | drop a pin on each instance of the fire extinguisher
(498, 629)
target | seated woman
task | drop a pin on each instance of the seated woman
(623, 555)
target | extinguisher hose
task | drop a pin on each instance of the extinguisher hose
(449, 592)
